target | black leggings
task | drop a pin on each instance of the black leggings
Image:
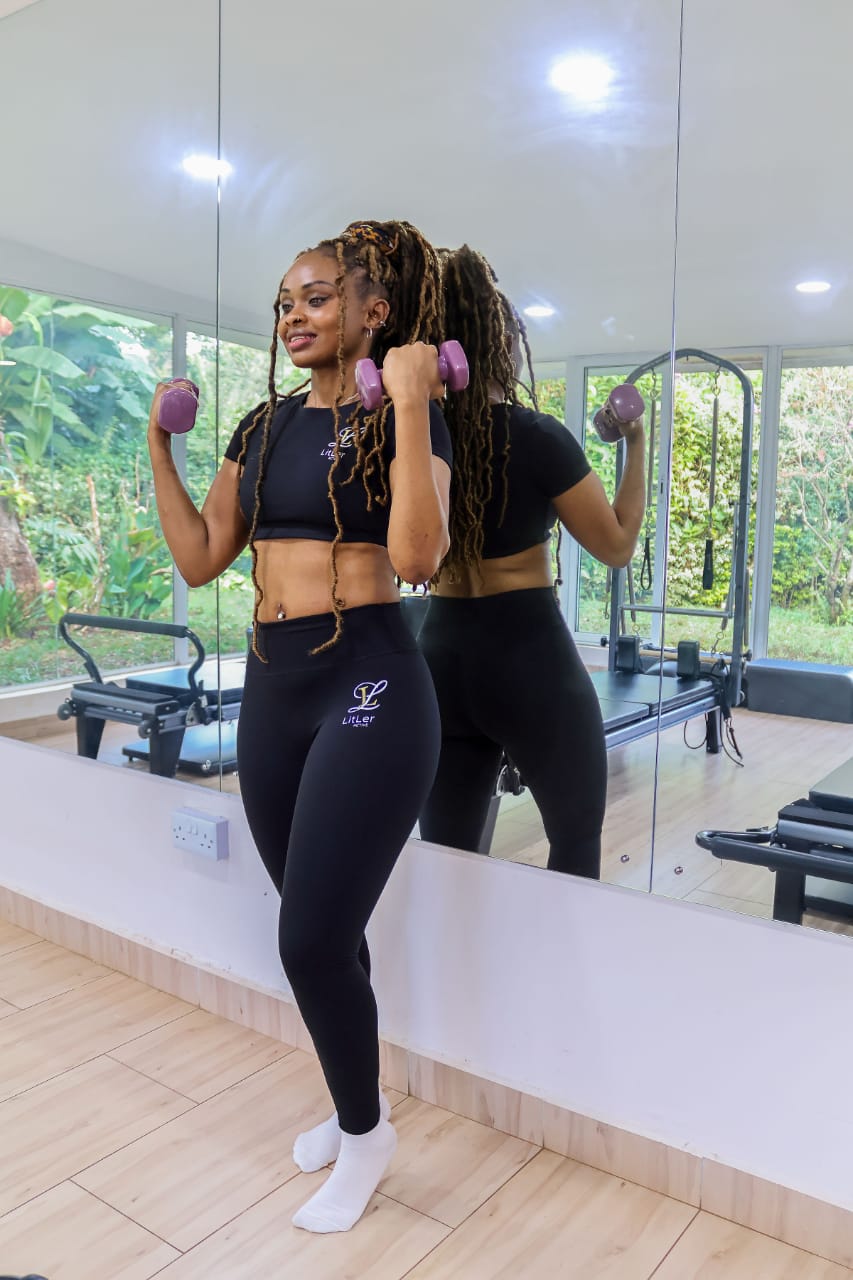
(337, 753)
(508, 677)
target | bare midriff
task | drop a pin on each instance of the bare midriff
(526, 569)
(296, 579)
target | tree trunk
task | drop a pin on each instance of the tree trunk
(837, 573)
(15, 555)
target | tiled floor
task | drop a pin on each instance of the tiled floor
(144, 1137)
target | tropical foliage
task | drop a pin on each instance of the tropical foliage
(79, 529)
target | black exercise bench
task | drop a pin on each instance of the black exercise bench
(810, 848)
(163, 705)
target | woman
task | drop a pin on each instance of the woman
(506, 670)
(338, 735)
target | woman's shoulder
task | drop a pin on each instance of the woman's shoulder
(524, 418)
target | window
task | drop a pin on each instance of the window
(78, 527)
(811, 607)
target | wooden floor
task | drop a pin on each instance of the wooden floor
(783, 757)
(143, 1137)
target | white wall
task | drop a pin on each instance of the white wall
(35, 269)
(725, 1035)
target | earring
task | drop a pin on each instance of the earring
(368, 333)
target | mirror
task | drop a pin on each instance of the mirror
(763, 290)
(107, 283)
(571, 197)
(570, 193)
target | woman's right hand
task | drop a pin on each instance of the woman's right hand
(157, 437)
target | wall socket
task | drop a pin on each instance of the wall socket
(200, 833)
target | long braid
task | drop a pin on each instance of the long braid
(265, 414)
(337, 604)
(399, 260)
(479, 316)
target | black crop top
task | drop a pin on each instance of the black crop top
(294, 497)
(545, 460)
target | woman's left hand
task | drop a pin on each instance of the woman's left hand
(410, 374)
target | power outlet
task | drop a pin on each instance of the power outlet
(200, 833)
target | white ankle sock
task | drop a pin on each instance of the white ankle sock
(320, 1146)
(344, 1196)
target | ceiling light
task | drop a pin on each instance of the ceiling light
(813, 286)
(583, 76)
(207, 167)
(539, 311)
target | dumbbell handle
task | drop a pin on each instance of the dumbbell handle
(452, 369)
(178, 406)
(624, 404)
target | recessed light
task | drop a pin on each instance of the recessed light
(583, 76)
(814, 286)
(207, 167)
(539, 311)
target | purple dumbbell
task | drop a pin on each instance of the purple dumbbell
(178, 406)
(624, 404)
(452, 369)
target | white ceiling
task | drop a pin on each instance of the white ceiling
(335, 111)
(12, 6)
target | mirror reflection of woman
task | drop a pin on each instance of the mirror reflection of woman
(338, 734)
(507, 673)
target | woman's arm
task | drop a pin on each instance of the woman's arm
(205, 542)
(609, 532)
(420, 483)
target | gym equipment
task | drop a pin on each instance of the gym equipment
(708, 565)
(624, 404)
(719, 686)
(507, 782)
(452, 369)
(814, 690)
(165, 706)
(634, 704)
(646, 569)
(810, 848)
(178, 406)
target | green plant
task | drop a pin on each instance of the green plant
(18, 612)
(70, 593)
(137, 571)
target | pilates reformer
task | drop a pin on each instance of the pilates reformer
(647, 687)
(810, 848)
(184, 715)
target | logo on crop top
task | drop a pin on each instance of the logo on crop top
(347, 439)
(366, 700)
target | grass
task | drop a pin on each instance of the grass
(44, 656)
(794, 633)
(798, 634)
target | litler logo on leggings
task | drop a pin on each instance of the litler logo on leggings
(367, 699)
